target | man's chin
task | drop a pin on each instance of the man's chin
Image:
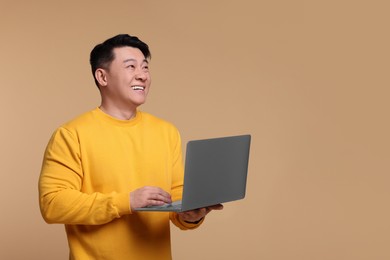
(139, 102)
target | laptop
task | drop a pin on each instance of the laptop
(215, 172)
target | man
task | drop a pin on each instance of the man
(105, 163)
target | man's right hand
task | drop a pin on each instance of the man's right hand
(149, 196)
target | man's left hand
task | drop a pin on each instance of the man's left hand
(197, 214)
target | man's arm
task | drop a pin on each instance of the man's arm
(60, 196)
(197, 215)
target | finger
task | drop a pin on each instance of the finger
(159, 191)
(160, 198)
(193, 215)
(155, 203)
(156, 193)
(216, 207)
(197, 213)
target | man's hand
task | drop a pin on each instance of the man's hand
(198, 214)
(149, 196)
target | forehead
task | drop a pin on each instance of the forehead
(128, 53)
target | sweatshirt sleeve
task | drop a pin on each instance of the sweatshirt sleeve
(60, 182)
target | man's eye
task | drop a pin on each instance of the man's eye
(131, 66)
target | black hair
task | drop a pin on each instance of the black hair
(102, 55)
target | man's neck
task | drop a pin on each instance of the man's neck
(123, 114)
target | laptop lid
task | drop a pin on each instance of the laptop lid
(215, 171)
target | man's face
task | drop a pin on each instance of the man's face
(128, 78)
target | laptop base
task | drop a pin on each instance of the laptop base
(173, 207)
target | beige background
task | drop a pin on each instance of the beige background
(308, 79)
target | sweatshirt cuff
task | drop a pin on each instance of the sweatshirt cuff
(122, 203)
(183, 224)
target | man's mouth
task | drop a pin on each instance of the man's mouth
(138, 87)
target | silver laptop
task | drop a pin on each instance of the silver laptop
(215, 172)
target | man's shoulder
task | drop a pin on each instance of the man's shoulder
(160, 128)
(149, 118)
(81, 120)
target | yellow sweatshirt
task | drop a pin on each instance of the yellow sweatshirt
(90, 166)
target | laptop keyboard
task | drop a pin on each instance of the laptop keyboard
(174, 205)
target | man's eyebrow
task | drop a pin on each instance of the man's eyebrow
(127, 60)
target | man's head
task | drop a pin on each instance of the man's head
(103, 54)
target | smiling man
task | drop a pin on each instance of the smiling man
(105, 163)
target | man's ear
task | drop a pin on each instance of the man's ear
(101, 77)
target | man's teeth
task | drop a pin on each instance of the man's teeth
(138, 87)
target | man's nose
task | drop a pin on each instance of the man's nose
(140, 75)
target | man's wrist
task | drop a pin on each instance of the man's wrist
(194, 222)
